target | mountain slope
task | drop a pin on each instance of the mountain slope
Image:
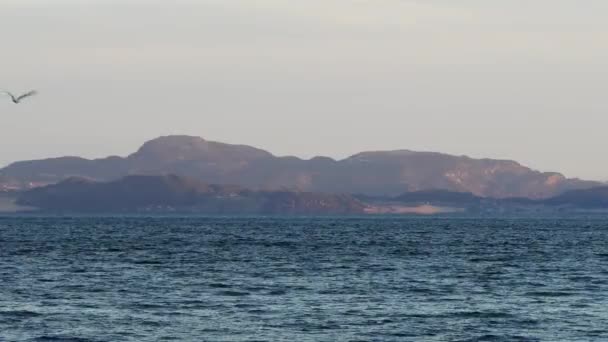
(587, 198)
(384, 173)
(174, 193)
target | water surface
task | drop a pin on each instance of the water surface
(321, 279)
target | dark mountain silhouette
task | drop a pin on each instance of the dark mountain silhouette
(179, 194)
(588, 198)
(593, 198)
(388, 173)
(442, 201)
(162, 194)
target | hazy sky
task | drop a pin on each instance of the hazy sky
(517, 79)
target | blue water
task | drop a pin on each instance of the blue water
(279, 279)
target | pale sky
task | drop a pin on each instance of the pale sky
(515, 79)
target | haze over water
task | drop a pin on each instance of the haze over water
(303, 279)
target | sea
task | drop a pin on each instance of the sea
(134, 278)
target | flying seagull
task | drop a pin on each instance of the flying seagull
(17, 99)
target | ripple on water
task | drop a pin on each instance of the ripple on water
(47, 338)
(229, 293)
(549, 294)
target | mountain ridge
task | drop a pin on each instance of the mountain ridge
(384, 173)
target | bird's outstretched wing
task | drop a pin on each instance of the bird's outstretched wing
(4, 92)
(29, 93)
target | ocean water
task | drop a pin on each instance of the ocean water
(303, 279)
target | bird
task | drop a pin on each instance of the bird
(17, 99)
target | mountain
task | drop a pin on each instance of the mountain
(379, 173)
(176, 194)
(180, 194)
(587, 198)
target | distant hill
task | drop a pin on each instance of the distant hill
(179, 194)
(588, 198)
(170, 193)
(442, 197)
(381, 173)
(570, 201)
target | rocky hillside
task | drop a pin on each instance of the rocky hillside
(382, 173)
(179, 194)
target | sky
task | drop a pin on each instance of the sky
(521, 79)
